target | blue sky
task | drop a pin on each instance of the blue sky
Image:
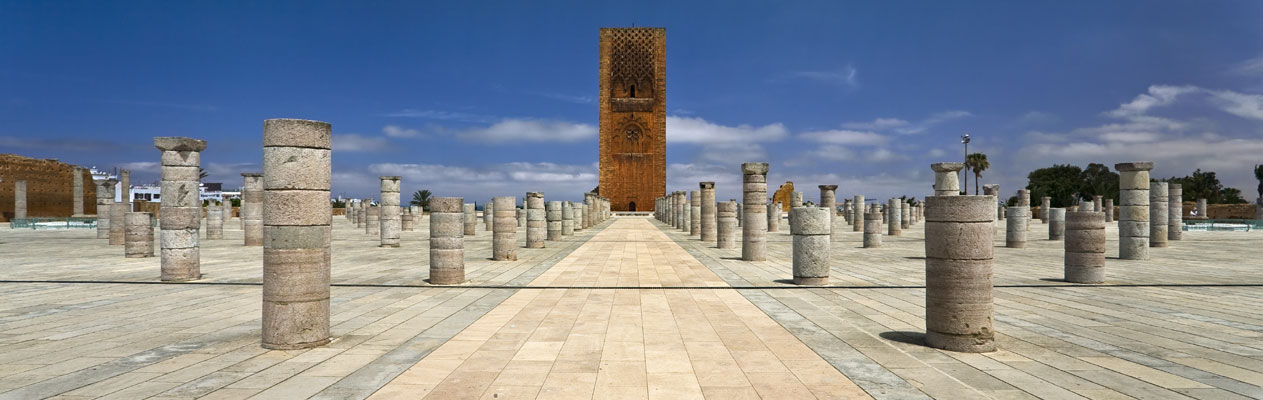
(478, 99)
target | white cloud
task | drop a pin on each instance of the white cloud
(142, 166)
(832, 153)
(1240, 104)
(514, 131)
(697, 130)
(1252, 67)
(396, 131)
(877, 124)
(846, 76)
(839, 136)
(897, 125)
(356, 142)
(442, 115)
(1159, 95)
(474, 183)
(936, 153)
(733, 152)
(884, 155)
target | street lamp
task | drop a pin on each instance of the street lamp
(963, 171)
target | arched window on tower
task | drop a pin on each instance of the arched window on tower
(633, 91)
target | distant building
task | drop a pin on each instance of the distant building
(207, 191)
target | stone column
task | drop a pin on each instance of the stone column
(726, 225)
(447, 242)
(19, 200)
(1015, 229)
(1024, 200)
(1056, 223)
(105, 202)
(773, 217)
(252, 208)
(587, 212)
(118, 231)
(226, 206)
(181, 209)
(504, 231)
(138, 235)
(810, 227)
(905, 221)
(552, 211)
(361, 214)
(214, 222)
(681, 211)
(1085, 247)
(521, 215)
(579, 214)
(947, 178)
(297, 217)
(77, 192)
(1202, 212)
(1158, 220)
(895, 211)
(695, 213)
(469, 215)
(686, 211)
(1133, 215)
(828, 199)
(536, 221)
(872, 229)
(959, 307)
(488, 215)
(1096, 203)
(567, 219)
(754, 226)
(406, 221)
(1044, 204)
(1175, 211)
(373, 223)
(1108, 208)
(857, 213)
(125, 185)
(994, 190)
(389, 222)
(708, 211)
(795, 199)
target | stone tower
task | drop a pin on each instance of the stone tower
(632, 101)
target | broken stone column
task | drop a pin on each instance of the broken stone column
(181, 208)
(872, 229)
(105, 202)
(1158, 220)
(754, 228)
(680, 210)
(297, 217)
(1044, 205)
(504, 231)
(536, 221)
(1085, 247)
(389, 221)
(587, 211)
(895, 209)
(361, 214)
(567, 218)
(1056, 223)
(1202, 212)
(1024, 200)
(1175, 211)
(726, 224)
(252, 208)
(469, 216)
(552, 211)
(810, 227)
(138, 235)
(407, 220)
(947, 178)
(521, 214)
(579, 214)
(447, 242)
(1108, 208)
(1133, 215)
(686, 211)
(695, 213)
(828, 199)
(795, 199)
(19, 200)
(214, 222)
(905, 220)
(857, 213)
(1015, 229)
(994, 190)
(1096, 204)
(373, 223)
(773, 217)
(77, 192)
(488, 215)
(959, 307)
(709, 223)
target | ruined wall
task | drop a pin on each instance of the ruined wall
(48, 187)
(782, 195)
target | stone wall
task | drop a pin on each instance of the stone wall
(782, 195)
(48, 187)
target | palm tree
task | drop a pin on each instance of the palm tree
(977, 162)
(202, 174)
(421, 198)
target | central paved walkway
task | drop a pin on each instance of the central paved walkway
(592, 339)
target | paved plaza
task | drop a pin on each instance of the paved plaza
(630, 308)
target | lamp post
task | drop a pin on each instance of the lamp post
(965, 171)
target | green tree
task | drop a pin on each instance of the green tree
(1205, 185)
(976, 163)
(1097, 179)
(1060, 182)
(910, 201)
(1258, 174)
(202, 174)
(421, 198)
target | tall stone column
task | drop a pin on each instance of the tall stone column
(214, 222)
(754, 228)
(361, 215)
(19, 200)
(252, 208)
(181, 209)
(104, 204)
(773, 217)
(138, 235)
(488, 215)
(469, 215)
(1024, 200)
(1056, 223)
(226, 206)
(828, 199)
(947, 178)
(536, 221)
(1133, 215)
(567, 219)
(959, 307)
(447, 242)
(872, 229)
(76, 190)
(905, 220)
(1175, 211)
(390, 222)
(708, 211)
(695, 213)
(1158, 220)
(681, 210)
(373, 222)
(895, 209)
(726, 225)
(811, 245)
(857, 213)
(1202, 211)
(587, 212)
(686, 212)
(1108, 208)
(125, 185)
(1015, 229)
(297, 217)
(579, 214)
(552, 211)
(1044, 204)
(1085, 247)
(504, 231)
